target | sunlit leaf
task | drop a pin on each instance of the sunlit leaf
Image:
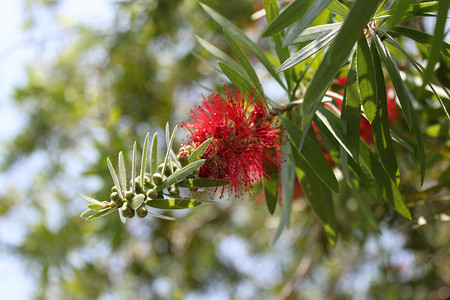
(338, 8)
(114, 177)
(202, 183)
(90, 199)
(198, 152)
(122, 172)
(297, 28)
(154, 154)
(180, 174)
(174, 203)
(144, 158)
(315, 32)
(366, 78)
(339, 50)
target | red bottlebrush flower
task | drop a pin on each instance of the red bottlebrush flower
(244, 136)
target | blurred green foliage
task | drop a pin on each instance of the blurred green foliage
(109, 87)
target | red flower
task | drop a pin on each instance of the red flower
(243, 134)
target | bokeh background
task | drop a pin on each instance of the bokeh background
(81, 81)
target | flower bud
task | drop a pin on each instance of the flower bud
(182, 159)
(149, 184)
(157, 178)
(114, 197)
(114, 189)
(141, 212)
(152, 194)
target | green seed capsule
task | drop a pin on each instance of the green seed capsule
(115, 197)
(129, 195)
(127, 211)
(152, 194)
(174, 191)
(114, 189)
(149, 185)
(157, 178)
(141, 212)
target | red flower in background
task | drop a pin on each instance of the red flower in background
(244, 136)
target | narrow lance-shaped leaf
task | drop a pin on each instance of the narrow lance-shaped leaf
(144, 159)
(420, 69)
(219, 54)
(133, 168)
(294, 11)
(154, 154)
(351, 30)
(169, 143)
(114, 177)
(318, 195)
(270, 186)
(198, 152)
(313, 11)
(243, 60)
(244, 40)
(160, 216)
(352, 107)
(312, 154)
(237, 78)
(202, 183)
(405, 100)
(366, 78)
(380, 125)
(308, 51)
(122, 172)
(338, 8)
(89, 199)
(180, 174)
(314, 32)
(287, 190)
(176, 203)
(100, 214)
(438, 37)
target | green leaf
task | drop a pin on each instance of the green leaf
(405, 100)
(330, 122)
(294, 11)
(315, 32)
(237, 78)
(287, 190)
(420, 37)
(154, 154)
(313, 11)
(338, 52)
(169, 143)
(236, 33)
(312, 154)
(438, 37)
(243, 59)
(161, 216)
(420, 69)
(180, 174)
(384, 186)
(202, 183)
(307, 51)
(270, 186)
(351, 112)
(174, 203)
(399, 10)
(95, 206)
(122, 172)
(137, 201)
(219, 54)
(100, 213)
(318, 195)
(366, 78)
(86, 214)
(144, 158)
(198, 152)
(89, 199)
(380, 125)
(338, 8)
(114, 177)
(133, 168)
